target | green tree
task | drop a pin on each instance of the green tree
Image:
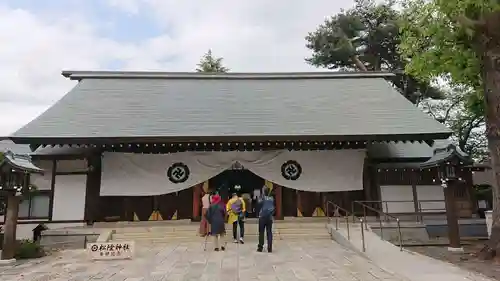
(460, 41)
(467, 125)
(209, 63)
(366, 38)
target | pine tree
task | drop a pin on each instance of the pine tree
(209, 63)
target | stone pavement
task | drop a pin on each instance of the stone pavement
(304, 260)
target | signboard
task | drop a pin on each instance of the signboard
(111, 250)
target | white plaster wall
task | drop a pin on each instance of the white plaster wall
(71, 165)
(485, 177)
(431, 192)
(397, 193)
(25, 231)
(42, 182)
(69, 197)
(404, 193)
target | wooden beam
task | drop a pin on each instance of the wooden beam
(72, 173)
(242, 138)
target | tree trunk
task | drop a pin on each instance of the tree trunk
(9, 238)
(491, 80)
(359, 64)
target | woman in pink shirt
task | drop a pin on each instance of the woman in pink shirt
(205, 203)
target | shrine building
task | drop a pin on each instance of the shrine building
(138, 146)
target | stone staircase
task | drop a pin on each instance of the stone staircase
(177, 232)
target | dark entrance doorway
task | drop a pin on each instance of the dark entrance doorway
(225, 183)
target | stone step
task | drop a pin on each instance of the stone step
(195, 232)
(201, 239)
(302, 229)
(249, 228)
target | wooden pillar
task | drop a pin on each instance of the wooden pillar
(10, 227)
(451, 215)
(367, 186)
(127, 209)
(279, 201)
(196, 201)
(299, 203)
(52, 188)
(414, 192)
(93, 188)
(376, 186)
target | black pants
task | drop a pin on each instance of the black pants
(266, 224)
(235, 228)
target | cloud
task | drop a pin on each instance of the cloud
(257, 35)
(251, 36)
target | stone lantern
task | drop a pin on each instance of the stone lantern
(448, 161)
(15, 171)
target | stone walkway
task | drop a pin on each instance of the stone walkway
(413, 266)
(305, 260)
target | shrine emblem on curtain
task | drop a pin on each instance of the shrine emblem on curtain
(178, 173)
(291, 170)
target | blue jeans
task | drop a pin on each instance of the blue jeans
(266, 224)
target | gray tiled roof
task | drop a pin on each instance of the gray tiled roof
(8, 145)
(444, 154)
(121, 104)
(21, 162)
(24, 149)
(405, 150)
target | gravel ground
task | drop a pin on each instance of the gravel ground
(467, 260)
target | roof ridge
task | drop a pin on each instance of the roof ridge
(79, 74)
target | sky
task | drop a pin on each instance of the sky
(40, 38)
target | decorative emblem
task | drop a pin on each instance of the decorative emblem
(291, 170)
(178, 173)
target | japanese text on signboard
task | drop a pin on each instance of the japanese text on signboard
(111, 249)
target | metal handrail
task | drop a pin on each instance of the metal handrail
(380, 213)
(336, 214)
(421, 211)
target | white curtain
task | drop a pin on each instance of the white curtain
(132, 174)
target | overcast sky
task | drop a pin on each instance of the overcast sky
(40, 38)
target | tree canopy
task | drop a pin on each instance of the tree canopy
(437, 45)
(460, 41)
(467, 126)
(366, 38)
(440, 39)
(210, 63)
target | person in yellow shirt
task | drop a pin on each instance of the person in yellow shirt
(236, 209)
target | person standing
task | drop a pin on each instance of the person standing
(248, 203)
(266, 213)
(236, 209)
(216, 215)
(256, 197)
(205, 204)
(223, 192)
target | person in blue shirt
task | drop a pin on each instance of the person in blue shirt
(266, 212)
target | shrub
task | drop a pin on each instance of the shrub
(28, 249)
